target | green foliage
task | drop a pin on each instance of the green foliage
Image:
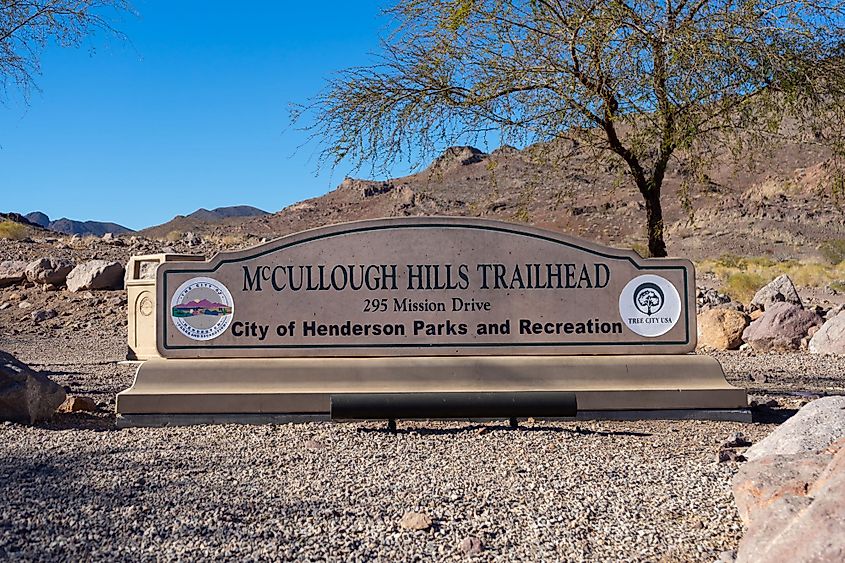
(637, 81)
(833, 251)
(12, 230)
(461, 11)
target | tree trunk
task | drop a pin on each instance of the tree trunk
(654, 216)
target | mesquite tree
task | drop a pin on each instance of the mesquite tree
(27, 27)
(642, 80)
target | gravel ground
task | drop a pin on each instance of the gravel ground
(77, 488)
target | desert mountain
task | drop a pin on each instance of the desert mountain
(200, 219)
(71, 227)
(779, 205)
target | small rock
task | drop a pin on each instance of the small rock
(471, 546)
(759, 378)
(78, 404)
(736, 440)
(710, 298)
(24, 305)
(116, 300)
(727, 455)
(5, 306)
(43, 315)
(415, 521)
(314, 445)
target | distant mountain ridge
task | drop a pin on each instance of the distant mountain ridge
(72, 227)
(201, 218)
(220, 213)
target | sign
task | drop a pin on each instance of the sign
(425, 286)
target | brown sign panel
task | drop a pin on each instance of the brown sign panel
(425, 286)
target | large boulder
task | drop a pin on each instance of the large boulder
(779, 290)
(781, 328)
(791, 493)
(96, 274)
(26, 395)
(12, 272)
(830, 338)
(818, 424)
(721, 329)
(49, 270)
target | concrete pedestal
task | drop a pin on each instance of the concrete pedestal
(190, 391)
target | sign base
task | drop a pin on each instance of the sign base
(229, 390)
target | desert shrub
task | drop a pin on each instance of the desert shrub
(833, 251)
(174, 236)
(742, 286)
(731, 261)
(522, 215)
(837, 286)
(640, 249)
(12, 230)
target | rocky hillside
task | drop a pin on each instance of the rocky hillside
(778, 206)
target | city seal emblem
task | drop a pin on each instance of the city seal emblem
(202, 308)
(650, 305)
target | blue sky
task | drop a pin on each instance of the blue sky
(192, 111)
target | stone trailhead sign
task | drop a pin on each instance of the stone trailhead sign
(425, 287)
(416, 304)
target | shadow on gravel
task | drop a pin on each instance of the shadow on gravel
(103, 422)
(768, 415)
(485, 429)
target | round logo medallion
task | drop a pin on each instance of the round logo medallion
(202, 308)
(146, 306)
(650, 305)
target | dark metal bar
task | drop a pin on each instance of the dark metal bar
(361, 406)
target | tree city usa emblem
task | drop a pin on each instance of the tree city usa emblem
(650, 305)
(648, 298)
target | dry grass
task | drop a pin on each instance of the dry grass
(174, 236)
(229, 240)
(13, 231)
(833, 251)
(742, 277)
